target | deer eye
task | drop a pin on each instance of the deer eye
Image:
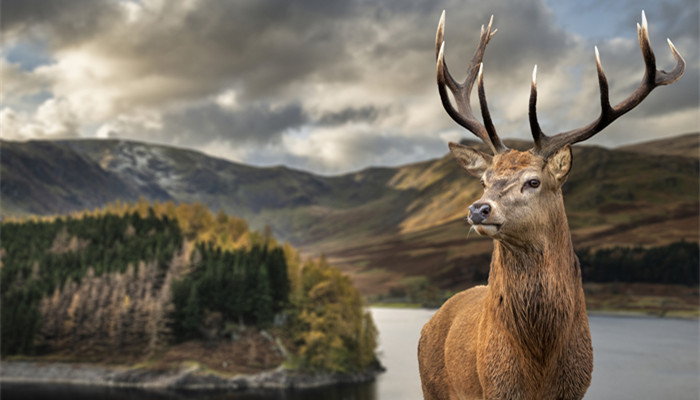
(483, 185)
(533, 183)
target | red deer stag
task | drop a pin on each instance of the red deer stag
(525, 335)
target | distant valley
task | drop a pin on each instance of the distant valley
(386, 227)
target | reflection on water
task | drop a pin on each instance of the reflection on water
(71, 392)
(399, 331)
(634, 358)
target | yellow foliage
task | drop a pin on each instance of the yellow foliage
(329, 326)
(332, 328)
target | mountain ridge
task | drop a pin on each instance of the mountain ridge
(381, 224)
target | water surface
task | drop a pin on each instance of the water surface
(634, 358)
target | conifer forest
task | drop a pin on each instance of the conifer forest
(135, 279)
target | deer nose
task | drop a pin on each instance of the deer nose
(478, 212)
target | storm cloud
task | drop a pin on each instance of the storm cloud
(326, 86)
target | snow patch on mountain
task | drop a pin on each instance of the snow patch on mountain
(145, 166)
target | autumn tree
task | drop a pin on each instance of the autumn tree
(330, 327)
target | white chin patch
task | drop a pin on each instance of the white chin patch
(486, 230)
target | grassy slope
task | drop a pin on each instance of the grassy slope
(612, 198)
(687, 145)
(380, 224)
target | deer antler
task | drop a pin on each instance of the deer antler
(548, 145)
(462, 91)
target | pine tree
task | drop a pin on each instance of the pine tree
(262, 299)
(192, 313)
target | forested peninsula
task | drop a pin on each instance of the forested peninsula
(172, 295)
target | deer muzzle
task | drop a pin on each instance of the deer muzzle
(479, 212)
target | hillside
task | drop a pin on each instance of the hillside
(687, 145)
(387, 227)
(42, 177)
(58, 177)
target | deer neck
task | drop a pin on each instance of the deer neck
(547, 255)
(535, 290)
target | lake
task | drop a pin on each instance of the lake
(634, 358)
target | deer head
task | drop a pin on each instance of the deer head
(522, 190)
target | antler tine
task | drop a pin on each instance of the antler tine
(440, 35)
(602, 84)
(485, 114)
(653, 78)
(537, 134)
(463, 115)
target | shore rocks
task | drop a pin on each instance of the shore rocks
(192, 378)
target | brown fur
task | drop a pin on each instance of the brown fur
(516, 161)
(525, 335)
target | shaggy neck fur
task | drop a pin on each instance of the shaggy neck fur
(536, 289)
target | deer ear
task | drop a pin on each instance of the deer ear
(474, 161)
(559, 164)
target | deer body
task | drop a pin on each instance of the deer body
(526, 334)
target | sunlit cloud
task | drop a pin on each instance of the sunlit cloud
(326, 86)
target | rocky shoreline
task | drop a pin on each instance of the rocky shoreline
(193, 378)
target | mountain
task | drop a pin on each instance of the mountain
(298, 206)
(387, 227)
(41, 177)
(687, 145)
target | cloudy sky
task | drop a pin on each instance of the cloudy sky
(328, 86)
